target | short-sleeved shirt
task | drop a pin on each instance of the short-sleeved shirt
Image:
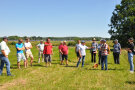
(47, 48)
(18, 45)
(3, 46)
(95, 45)
(64, 49)
(131, 47)
(82, 49)
(60, 46)
(117, 48)
(77, 47)
(104, 49)
(41, 47)
(27, 45)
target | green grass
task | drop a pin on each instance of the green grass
(59, 77)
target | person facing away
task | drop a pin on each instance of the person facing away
(20, 55)
(131, 53)
(28, 53)
(82, 53)
(104, 54)
(77, 49)
(64, 52)
(116, 52)
(99, 52)
(94, 47)
(40, 48)
(60, 46)
(48, 51)
(4, 52)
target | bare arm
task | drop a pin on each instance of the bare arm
(3, 52)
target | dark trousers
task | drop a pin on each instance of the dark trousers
(116, 58)
(99, 55)
(93, 57)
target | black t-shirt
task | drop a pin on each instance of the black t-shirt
(131, 46)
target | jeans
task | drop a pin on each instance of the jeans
(93, 57)
(116, 56)
(130, 59)
(99, 55)
(104, 61)
(4, 60)
(83, 59)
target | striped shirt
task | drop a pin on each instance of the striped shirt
(104, 49)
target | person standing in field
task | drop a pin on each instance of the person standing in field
(82, 53)
(104, 53)
(77, 49)
(94, 47)
(131, 52)
(40, 47)
(64, 52)
(20, 55)
(99, 52)
(60, 55)
(28, 53)
(116, 52)
(48, 51)
(4, 52)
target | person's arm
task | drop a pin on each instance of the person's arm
(37, 47)
(30, 47)
(3, 52)
(80, 53)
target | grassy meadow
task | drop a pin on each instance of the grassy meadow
(59, 77)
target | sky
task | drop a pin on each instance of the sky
(56, 18)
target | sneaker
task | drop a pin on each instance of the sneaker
(132, 72)
(11, 75)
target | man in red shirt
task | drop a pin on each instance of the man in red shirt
(64, 52)
(48, 51)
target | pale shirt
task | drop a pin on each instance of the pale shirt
(77, 47)
(41, 47)
(3, 46)
(82, 49)
(27, 45)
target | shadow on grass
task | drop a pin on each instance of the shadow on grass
(70, 66)
(130, 82)
(38, 65)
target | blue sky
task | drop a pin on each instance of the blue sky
(60, 18)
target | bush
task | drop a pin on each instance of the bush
(71, 44)
(12, 43)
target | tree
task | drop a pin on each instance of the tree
(122, 25)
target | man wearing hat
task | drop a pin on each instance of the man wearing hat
(40, 47)
(116, 51)
(4, 51)
(94, 47)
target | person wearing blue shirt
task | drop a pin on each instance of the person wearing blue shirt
(20, 54)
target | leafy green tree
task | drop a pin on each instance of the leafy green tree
(123, 22)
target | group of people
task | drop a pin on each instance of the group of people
(46, 50)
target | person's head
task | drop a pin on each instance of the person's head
(115, 41)
(61, 43)
(101, 41)
(64, 42)
(5, 39)
(20, 40)
(41, 41)
(94, 39)
(104, 41)
(27, 39)
(83, 42)
(48, 40)
(78, 41)
(130, 40)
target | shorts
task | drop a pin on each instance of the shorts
(77, 53)
(47, 58)
(65, 57)
(40, 54)
(20, 56)
(29, 54)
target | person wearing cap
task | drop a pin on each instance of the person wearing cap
(60, 46)
(94, 47)
(4, 52)
(104, 54)
(48, 51)
(131, 52)
(82, 53)
(40, 47)
(64, 52)
(28, 53)
(99, 52)
(20, 55)
(116, 52)
(77, 49)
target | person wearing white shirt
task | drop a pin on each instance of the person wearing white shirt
(4, 51)
(77, 48)
(40, 47)
(28, 52)
(82, 53)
